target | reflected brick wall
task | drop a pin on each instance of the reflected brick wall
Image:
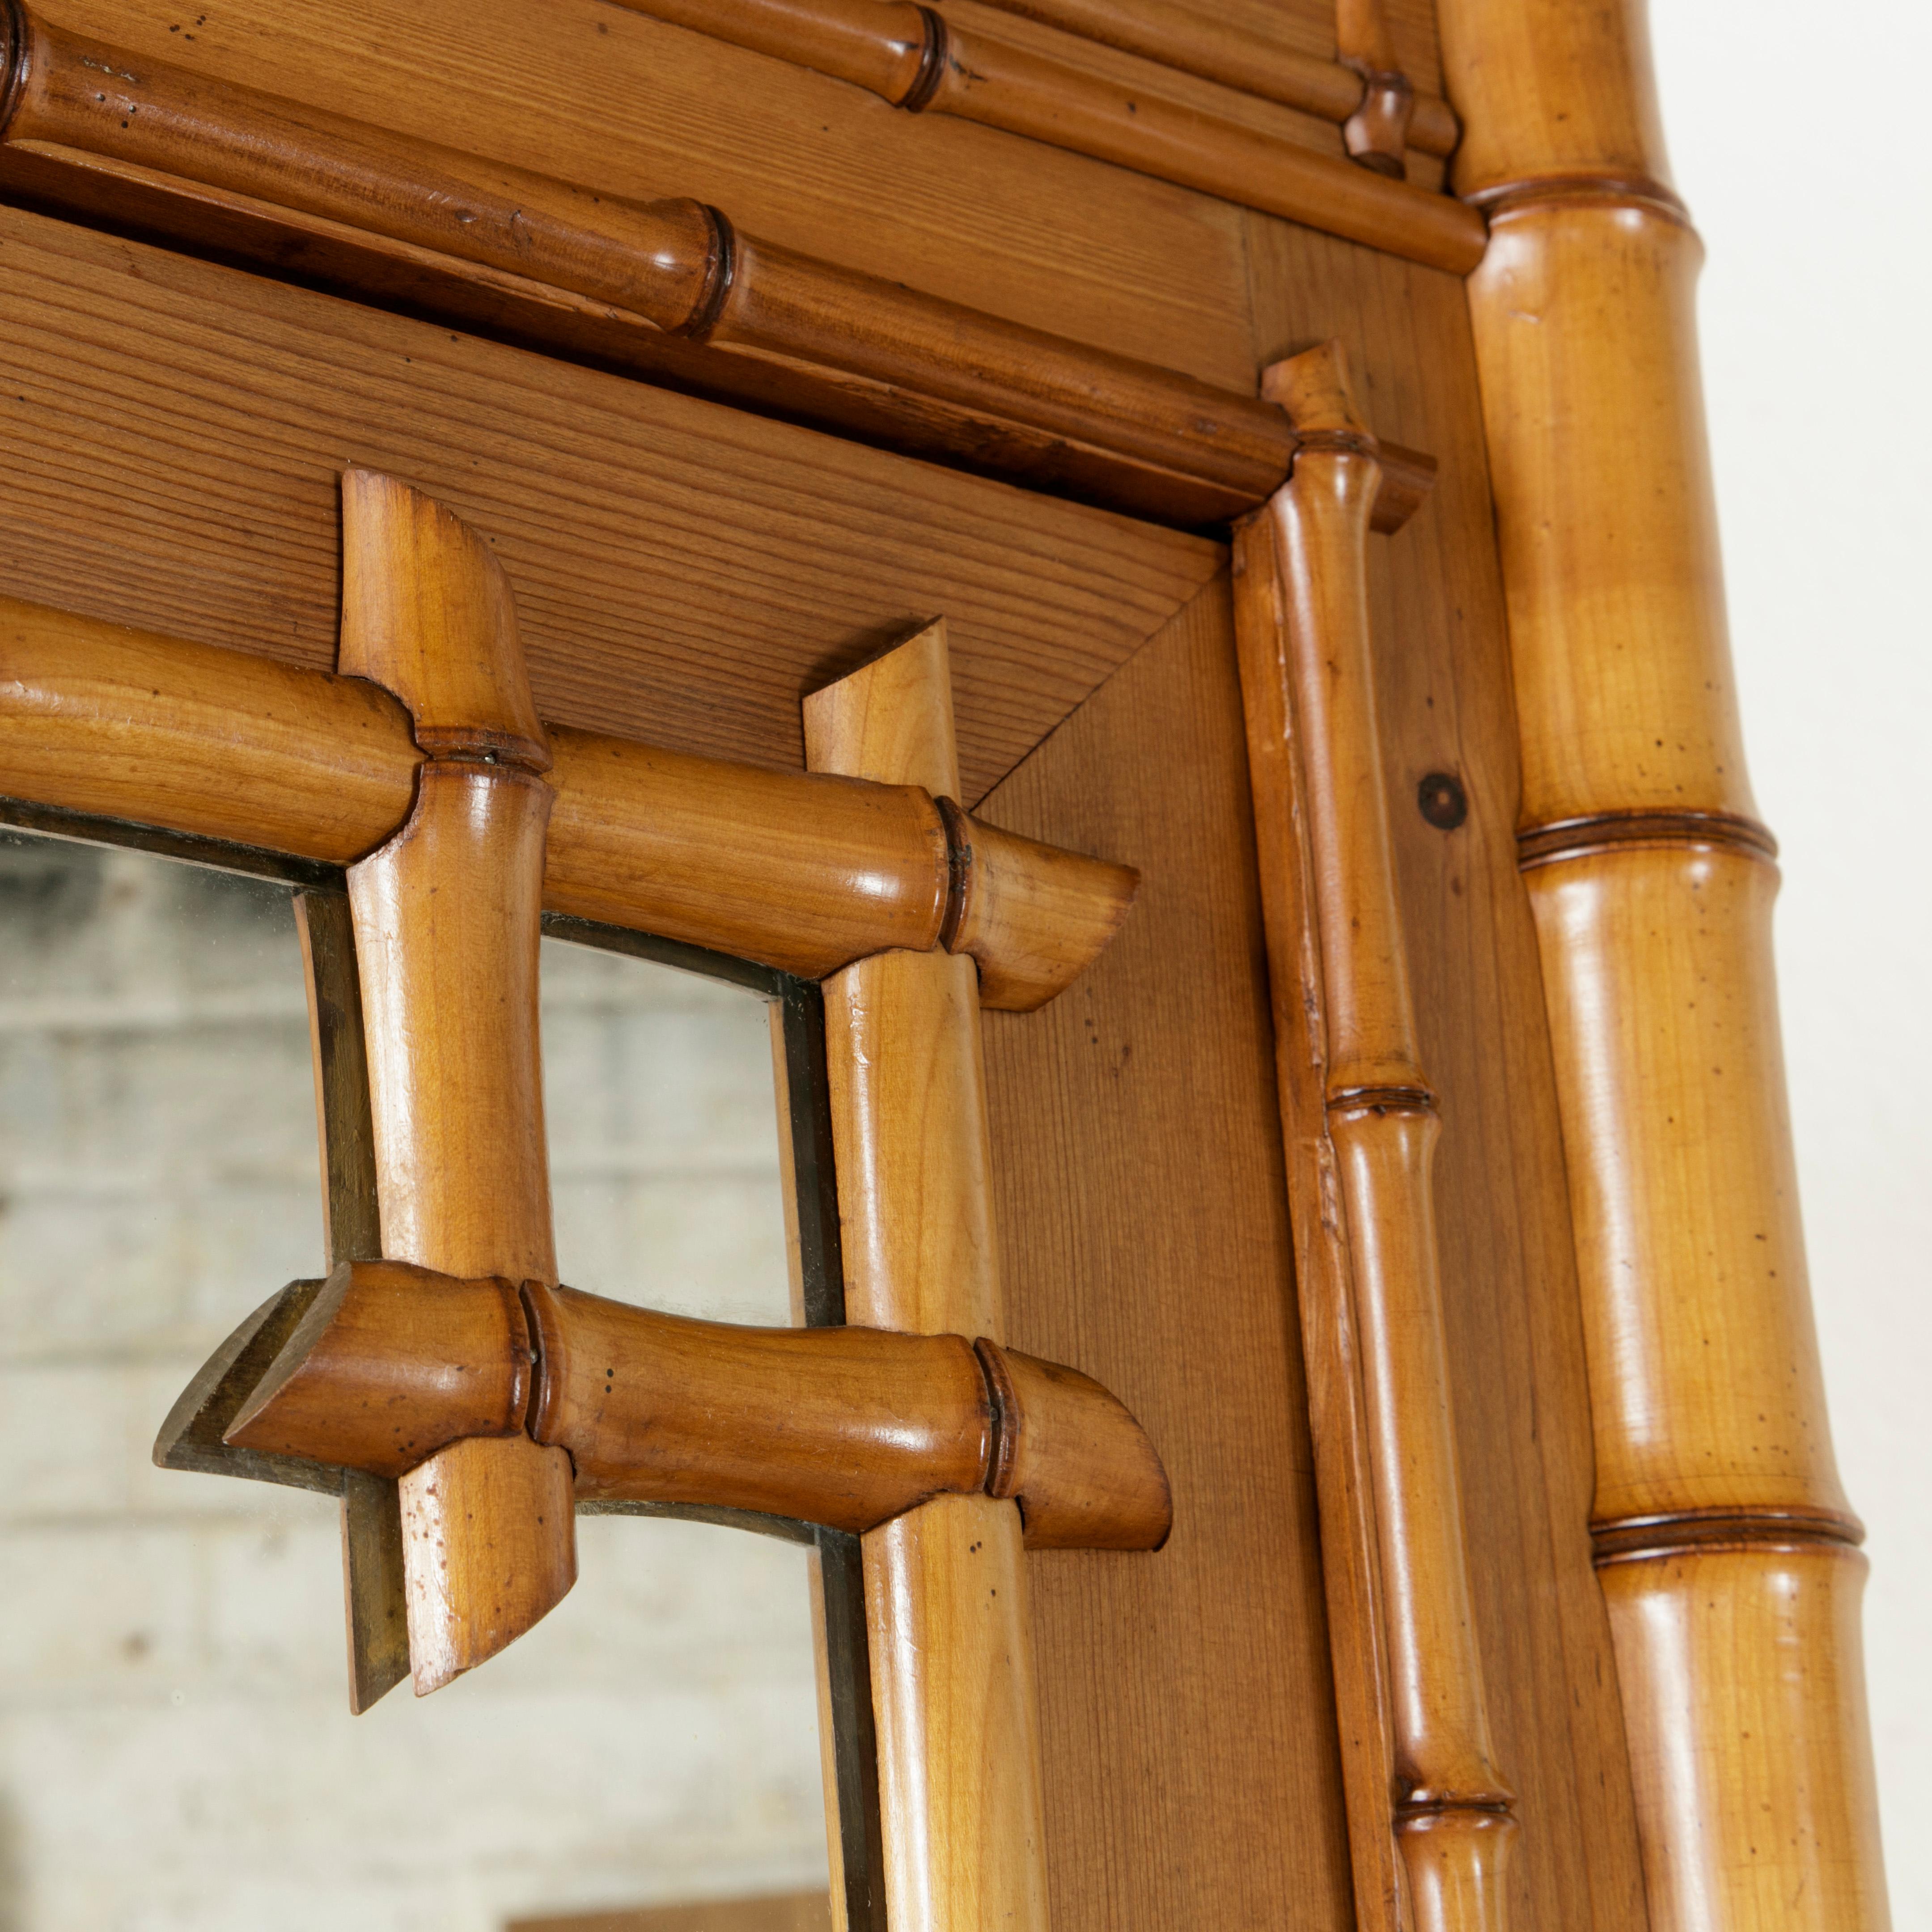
(176, 1752)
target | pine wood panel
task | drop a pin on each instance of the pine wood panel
(1193, 1778)
(1308, 27)
(171, 433)
(603, 96)
(1510, 1293)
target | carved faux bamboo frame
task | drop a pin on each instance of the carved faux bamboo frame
(671, 290)
(1725, 1545)
(1361, 1125)
(801, 872)
(1560, 151)
(1217, 50)
(919, 58)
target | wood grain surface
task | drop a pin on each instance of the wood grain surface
(1187, 1719)
(682, 572)
(629, 106)
(1718, 1515)
(1309, 676)
(1324, 1297)
(1304, 27)
(1045, 87)
(953, 1689)
(802, 871)
(1516, 1347)
(447, 916)
(843, 1426)
(1268, 64)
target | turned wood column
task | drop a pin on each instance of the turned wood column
(1726, 1550)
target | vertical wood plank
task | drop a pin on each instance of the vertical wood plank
(1308, 678)
(447, 915)
(953, 1689)
(1187, 1708)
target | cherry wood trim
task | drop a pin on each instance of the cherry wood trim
(672, 289)
(918, 58)
(801, 872)
(447, 913)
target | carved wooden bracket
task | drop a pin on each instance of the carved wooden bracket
(383, 1364)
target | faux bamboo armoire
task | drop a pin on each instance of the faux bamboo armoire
(1149, 567)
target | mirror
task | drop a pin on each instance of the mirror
(175, 1750)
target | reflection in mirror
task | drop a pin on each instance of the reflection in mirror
(176, 1750)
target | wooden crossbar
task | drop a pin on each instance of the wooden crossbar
(801, 872)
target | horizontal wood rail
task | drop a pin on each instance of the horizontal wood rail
(384, 1364)
(669, 290)
(801, 871)
(919, 59)
(1216, 50)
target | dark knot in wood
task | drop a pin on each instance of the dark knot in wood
(1442, 801)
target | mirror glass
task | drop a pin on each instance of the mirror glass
(176, 1753)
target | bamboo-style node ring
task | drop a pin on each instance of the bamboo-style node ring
(846, 1427)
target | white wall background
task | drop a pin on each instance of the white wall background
(1811, 182)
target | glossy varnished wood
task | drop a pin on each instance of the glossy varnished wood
(215, 164)
(1452, 1816)
(631, 106)
(618, 509)
(1138, 1170)
(1652, 883)
(265, 177)
(447, 916)
(1229, 51)
(1775, 1831)
(955, 64)
(842, 1426)
(1344, 1481)
(1514, 1336)
(801, 872)
(953, 1691)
